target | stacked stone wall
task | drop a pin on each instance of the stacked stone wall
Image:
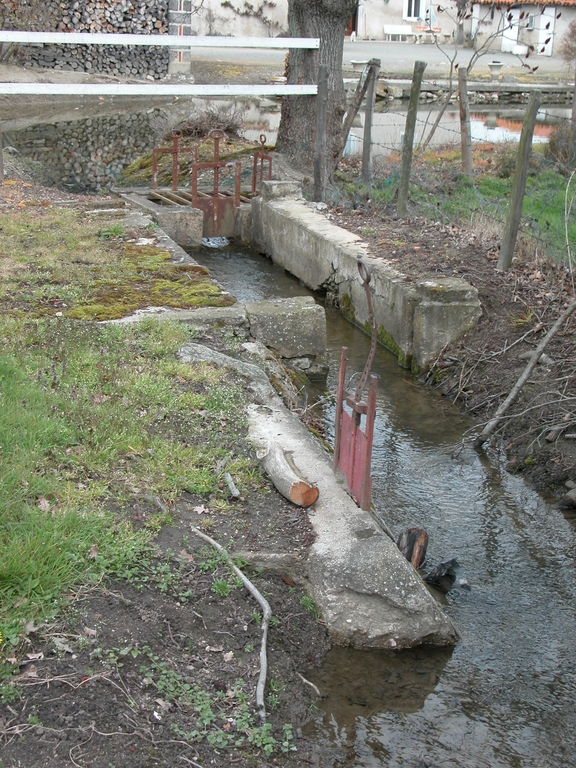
(103, 16)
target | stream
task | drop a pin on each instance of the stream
(504, 696)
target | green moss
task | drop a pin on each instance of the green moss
(145, 277)
(347, 307)
(405, 361)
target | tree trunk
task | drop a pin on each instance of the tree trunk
(574, 99)
(327, 20)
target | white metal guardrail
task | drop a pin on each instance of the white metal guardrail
(156, 89)
(175, 41)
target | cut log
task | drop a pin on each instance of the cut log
(286, 476)
(413, 544)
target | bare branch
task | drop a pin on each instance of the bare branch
(266, 616)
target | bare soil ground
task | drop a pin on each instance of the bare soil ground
(139, 674)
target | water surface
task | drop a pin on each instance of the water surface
(504, 696)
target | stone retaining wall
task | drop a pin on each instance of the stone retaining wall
(415, 320)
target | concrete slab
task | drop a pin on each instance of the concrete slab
(368, 594)
(292, 327)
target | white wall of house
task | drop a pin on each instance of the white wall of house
(217, 19)
(531, 25)
(528, 27)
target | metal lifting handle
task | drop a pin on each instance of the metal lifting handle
(365, 276)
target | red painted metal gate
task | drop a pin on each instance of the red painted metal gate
(352, 443)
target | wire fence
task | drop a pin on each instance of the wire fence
(91, 153)
(441, 191)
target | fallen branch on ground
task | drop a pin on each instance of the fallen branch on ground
(266, 616)
(493, 423)
(314, 687)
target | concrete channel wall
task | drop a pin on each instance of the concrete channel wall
(415, 320)
(369, 595)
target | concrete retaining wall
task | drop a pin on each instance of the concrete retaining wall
(415, 320)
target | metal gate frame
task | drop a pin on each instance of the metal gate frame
(352, 444)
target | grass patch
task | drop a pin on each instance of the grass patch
(66, 262)
(231, 148)
(92, 416)
(440, 190)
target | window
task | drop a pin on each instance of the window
(411, 9)
(531, 22)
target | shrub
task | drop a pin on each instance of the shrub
(562, 146)
(227, 118)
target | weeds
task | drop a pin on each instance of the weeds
(440, 191)
(310, 605)
(223, 720)
(88, 412)
(114, 230)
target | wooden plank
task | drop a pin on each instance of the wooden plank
(176, 198)
(154, 89)
(514, 216)
(159, 196)
(175, 41)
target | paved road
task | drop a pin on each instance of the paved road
(397, 59)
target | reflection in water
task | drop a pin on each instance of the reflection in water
(362, 683)
(504, 696)
(90, 153)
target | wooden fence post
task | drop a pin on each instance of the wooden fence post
(419, 67)
(465, 137)
(519, 184)
(320, 152)
(367, 146)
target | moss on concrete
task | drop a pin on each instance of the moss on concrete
(148, 279)
(347, 307)
(404, 360)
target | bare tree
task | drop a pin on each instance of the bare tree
(504, 20)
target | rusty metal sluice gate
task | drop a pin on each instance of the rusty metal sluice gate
(352, 444)
(218, 205)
